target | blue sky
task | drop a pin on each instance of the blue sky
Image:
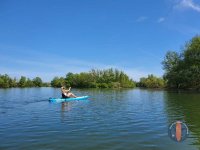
(49, 38)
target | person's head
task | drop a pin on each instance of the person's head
(62, 87)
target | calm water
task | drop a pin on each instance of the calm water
(110, 120)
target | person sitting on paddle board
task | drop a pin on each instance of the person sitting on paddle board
(67, 93)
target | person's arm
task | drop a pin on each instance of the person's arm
(68, 89)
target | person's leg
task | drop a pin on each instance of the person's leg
(71, 95)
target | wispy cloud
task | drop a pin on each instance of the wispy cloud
(188, 4)
(161, 19)
(48, 69)
(30, 63)
(141, 19)
(37, 64)
(144, 18)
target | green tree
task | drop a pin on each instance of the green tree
(183, 70)
(29, 83)
(2, 83)
(5, 81)
(58, 82)
(22, 82)
(8, 82)
(171, 61)
(13, 82)
(69, 79)
(108, 78)
(191, 67)
(151, 82)
(46, 84)
(37, 82)
(171, 65)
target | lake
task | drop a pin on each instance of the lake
(121, 119)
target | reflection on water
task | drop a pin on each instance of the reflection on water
(112, 119)
(185, 106)
(65, 106)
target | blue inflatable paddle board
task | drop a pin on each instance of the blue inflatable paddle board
(58, 100)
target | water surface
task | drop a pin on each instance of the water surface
(110, 120)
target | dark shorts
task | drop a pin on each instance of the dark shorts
(63, 96)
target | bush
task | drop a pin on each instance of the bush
(151, 82)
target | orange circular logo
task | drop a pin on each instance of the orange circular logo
(178, 131)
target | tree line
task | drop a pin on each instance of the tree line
(108, 78)
(182, 71)
(8, 82)
(151, 82)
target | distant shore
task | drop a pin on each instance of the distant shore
(181, 73)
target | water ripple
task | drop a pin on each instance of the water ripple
(110, 120)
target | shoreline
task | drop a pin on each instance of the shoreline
(121, 88)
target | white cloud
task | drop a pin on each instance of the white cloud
(141, 19)
(189, 4)
(161, 19)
